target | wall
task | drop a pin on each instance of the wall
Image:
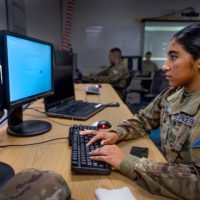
(43, 19)
(101, 25)
(3, 24)
(97, 26)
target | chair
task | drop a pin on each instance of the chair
(122, 91)
(158, 84)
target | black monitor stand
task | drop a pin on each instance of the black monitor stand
(20, 128)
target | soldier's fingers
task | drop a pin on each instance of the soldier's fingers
(106, 141)
(95, 152)
(98, 158)
(87, 132)
(94, 139)
(100, 151)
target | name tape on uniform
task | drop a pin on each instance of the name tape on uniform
(185, 119)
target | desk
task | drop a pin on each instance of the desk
(56, 155)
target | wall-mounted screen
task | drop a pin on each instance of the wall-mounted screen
(157, 34)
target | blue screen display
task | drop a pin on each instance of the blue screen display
(29, 66)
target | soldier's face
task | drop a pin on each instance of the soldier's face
(111, 58)
(148, 56)
(180, 68)
(114, 57)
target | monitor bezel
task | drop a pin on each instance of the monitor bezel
(4, 57)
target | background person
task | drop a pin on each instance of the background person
(116, 74)
(148, 67)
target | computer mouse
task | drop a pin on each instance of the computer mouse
(103, 124)
(98, 85)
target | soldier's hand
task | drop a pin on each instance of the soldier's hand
(106, 137)
(110, 154)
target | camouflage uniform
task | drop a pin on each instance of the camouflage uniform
(178, 115)
(148, 67)
(115, 75)
(33, 184)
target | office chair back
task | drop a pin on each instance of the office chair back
(159, 82)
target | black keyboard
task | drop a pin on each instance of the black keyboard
(80, 160)
(92, 90)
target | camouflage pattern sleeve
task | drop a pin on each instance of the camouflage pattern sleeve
(142, 123)
(105, 72)
(176, 181)
(114, 74)
(34, 184)
(108, 78)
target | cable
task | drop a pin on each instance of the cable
(30, 144)
(36, 143)
(181, 11)
(4, 120)
(8, 115)
(42, 112)
(35, 108)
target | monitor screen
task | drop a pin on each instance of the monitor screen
(157, 35)
(29, 68)
(63, 86)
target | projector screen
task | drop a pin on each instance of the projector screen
(157, 34)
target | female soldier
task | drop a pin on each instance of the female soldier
(177, 112)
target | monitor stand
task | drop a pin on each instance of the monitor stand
(6, 172)
(18, 127)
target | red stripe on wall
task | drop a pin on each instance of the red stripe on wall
(66, 44)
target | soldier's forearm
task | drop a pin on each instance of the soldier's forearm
(131, 129)
(172, 180)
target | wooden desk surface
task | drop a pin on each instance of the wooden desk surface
(56, 155)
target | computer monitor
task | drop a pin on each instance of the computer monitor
(27, 66)
(63, 87)
(63, 58)
(1, 95)
(6, 171)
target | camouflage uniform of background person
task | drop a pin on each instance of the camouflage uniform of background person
(116, 75)
(177, 112)
(148, 67)
(35, 184)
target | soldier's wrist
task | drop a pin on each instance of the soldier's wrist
(120, 133)
(127, 165)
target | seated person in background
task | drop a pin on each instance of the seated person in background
(116, 75)
(177, 112)
(148, 67)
